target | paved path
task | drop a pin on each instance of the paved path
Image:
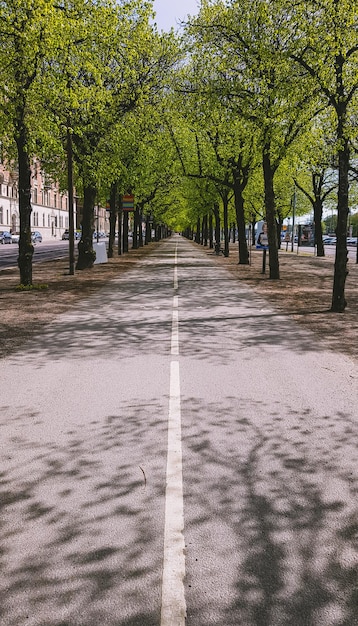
(175, 445)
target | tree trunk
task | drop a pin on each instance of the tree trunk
(340, 267)
(268, 171)
(205, 230)
(240, 219)
(135, 229)
(211, 242)
(112, 219)
(71, 220)
(148, 229)
(198, 228)
(317, 216)
(26, 249)
(120, 228)
(226, 225)
(217, 229)
(86, 254)
(140, 230)
(125, 231)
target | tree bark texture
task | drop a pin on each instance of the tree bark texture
(226, 225)
(86, 253)
(125, 231)
(26, 248)
(268, 171)
(317, 216)
(340, 267)
(120, 228)
(112, 219)
(211, 241)
(240, 219)
(205, 230)
(217, 228)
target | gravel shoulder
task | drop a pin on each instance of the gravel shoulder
(303, 292)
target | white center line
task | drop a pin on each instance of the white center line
(176, 267)
(173, 610)
(175, 333)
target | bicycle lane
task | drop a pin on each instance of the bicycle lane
(84, 438)
(268, 499)
(270, 459)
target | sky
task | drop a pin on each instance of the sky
(170, 12)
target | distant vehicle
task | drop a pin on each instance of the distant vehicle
(66, 235)
(329, 240)
(5, 236)
(15, 237)
(36, 237)
(352, 241)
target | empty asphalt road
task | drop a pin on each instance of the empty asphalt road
(174, 451)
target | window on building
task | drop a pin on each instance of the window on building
(43, 220)
(1, 215)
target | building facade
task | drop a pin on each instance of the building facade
(49, 205)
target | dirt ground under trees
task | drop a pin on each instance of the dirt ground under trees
(304, 292)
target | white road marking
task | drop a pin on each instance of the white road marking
(175, 333)
(173, 610)
(176, 267)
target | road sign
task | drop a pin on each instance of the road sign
(128, 203)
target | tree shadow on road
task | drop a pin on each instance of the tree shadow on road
(284, 487)
(82, 521)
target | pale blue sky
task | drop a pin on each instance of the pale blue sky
(171, 12)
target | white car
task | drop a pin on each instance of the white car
(352, 241)
(15, 237)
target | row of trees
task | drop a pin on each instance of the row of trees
(257, 99)
(274, 85)
(80, 83)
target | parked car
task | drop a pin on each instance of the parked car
(66, 234)
(5, 236)
(15, 237)
(36, 237)
(352, 241)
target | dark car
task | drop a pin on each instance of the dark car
(66, 235)
(36, 237)
(5, 236)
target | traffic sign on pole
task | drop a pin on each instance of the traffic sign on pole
(128, 203)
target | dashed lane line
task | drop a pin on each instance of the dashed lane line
(173, 609)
